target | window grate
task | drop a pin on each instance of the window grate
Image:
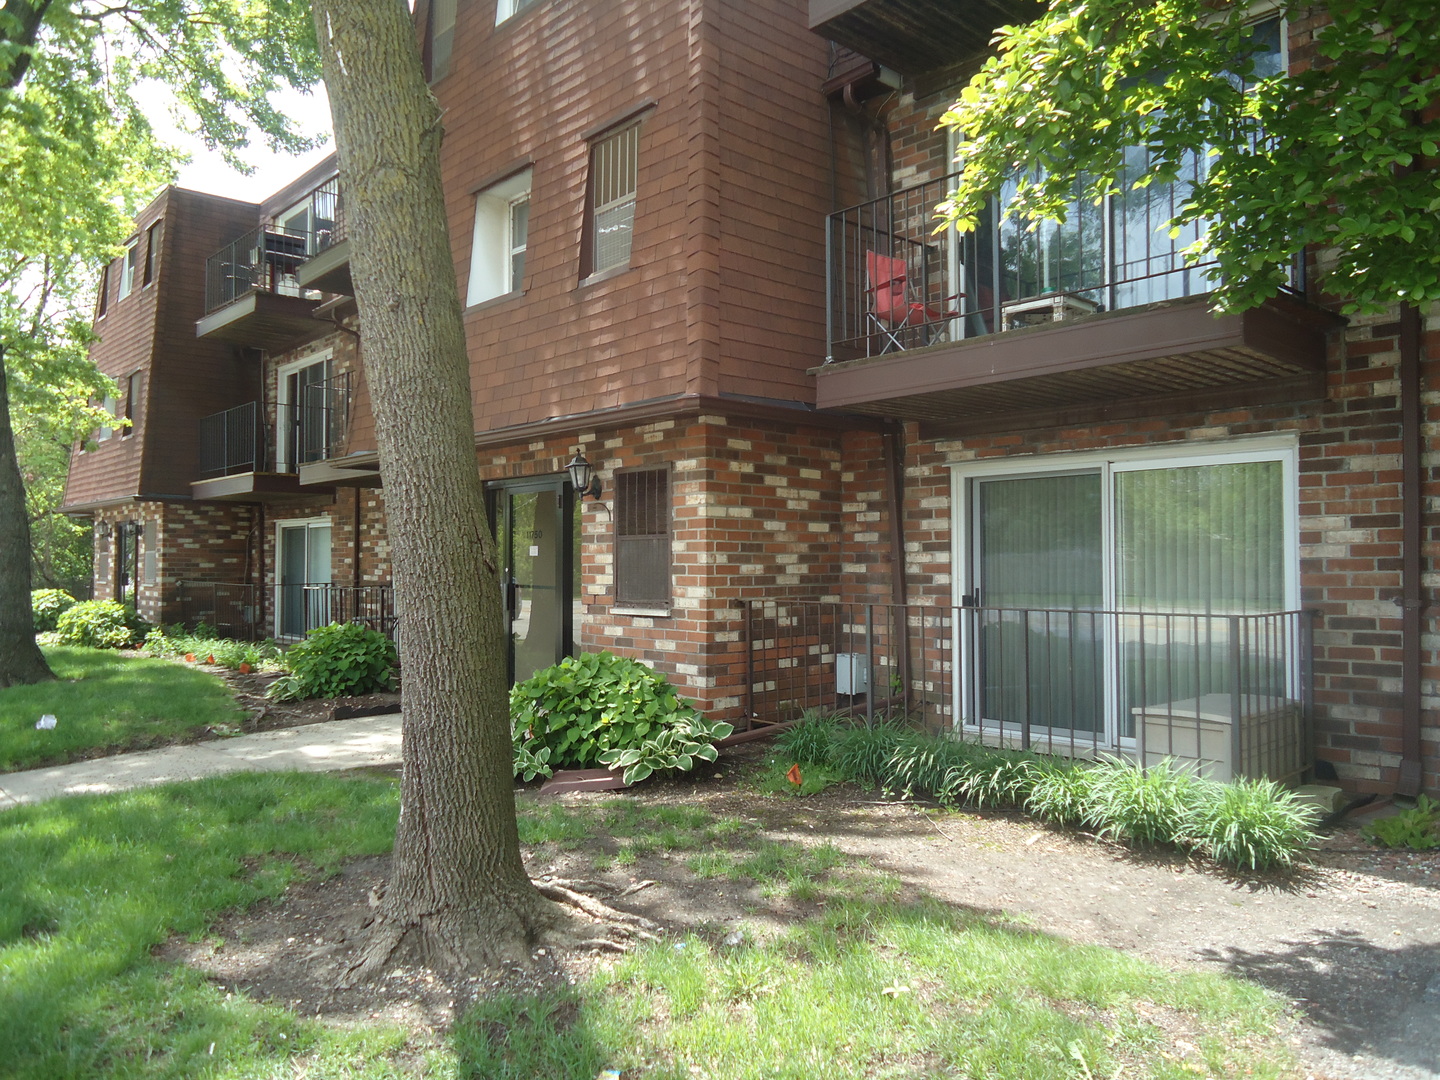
(642, 537)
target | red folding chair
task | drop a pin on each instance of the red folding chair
(893, 310)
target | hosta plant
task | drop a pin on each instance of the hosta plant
(47, 605)
(339, 660)
(602, 709)
(100, 624)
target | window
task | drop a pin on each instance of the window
(504, 9)
(128, 264)
(110, 405)
(497, 249)
(303, 413)
(1107, 583)
(439, 39)
(610, 209)
(103, 302)
(132, 394)
(642, 538)
(152, 252)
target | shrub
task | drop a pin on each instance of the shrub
(864, 753)
(1151, 806)
(810, 741)
(339, 660)
(602, 709)
(47, 605)
(1253, 824)
(100, 624)
(1062, 793)
(1417, 828)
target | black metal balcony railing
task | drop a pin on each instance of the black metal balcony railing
(316, 426)
(265, 259)
(238, 440)
(894, 283)
(1229, 695)
(327, 217)
(232, 442)
(253, 612)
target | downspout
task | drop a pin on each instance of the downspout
(877, 145)
(355, 547)
(1412, 528)
(893, 440)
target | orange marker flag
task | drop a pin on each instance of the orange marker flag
(794, 775)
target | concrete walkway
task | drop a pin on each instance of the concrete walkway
(339, 744)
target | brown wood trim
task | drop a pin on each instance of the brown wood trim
(1163, 330)
(502, 174)
(620, 119)
(301, 186)
(675, 407)
(1299, 388)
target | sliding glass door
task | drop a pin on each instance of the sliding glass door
(1100, 588)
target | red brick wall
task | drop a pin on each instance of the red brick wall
(756, 508)
(1349, 518)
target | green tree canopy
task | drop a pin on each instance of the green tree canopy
(78, 158)
(1338, 154)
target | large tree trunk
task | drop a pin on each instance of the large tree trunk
(458, 897)
(21, 661)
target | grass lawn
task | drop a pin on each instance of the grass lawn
(873, 983)
(106, 700)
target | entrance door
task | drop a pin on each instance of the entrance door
(538, 537)
(304, 561)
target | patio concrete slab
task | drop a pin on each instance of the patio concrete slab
(339, 744)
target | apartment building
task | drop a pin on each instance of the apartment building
(1024, 486)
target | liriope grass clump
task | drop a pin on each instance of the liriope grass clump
(1251, 824)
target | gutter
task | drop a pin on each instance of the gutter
(1412, 567)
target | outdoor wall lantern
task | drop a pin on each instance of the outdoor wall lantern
(583, 478)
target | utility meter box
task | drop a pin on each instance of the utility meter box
(852, 673)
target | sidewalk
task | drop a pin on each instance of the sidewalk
(338, 744)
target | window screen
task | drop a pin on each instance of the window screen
(613, 164)
(642, 537)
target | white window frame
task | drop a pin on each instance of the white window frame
(295, 523)
(283, 402)
(507, 9)
(595, 209)
(492, 243)
(110, 403)
(1284, 448)
(128, 267)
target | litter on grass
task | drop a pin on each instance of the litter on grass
(46, 722)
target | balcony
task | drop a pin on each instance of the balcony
(1224, 695)
(327, 267)
(262, 289)
(1100, 317)
(915, 36)
(242, 461)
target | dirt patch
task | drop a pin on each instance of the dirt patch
(1352, 939)
(262, 714)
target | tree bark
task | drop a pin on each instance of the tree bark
(21, 661)
(458, 897)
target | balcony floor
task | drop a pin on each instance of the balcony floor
(1118, 361)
